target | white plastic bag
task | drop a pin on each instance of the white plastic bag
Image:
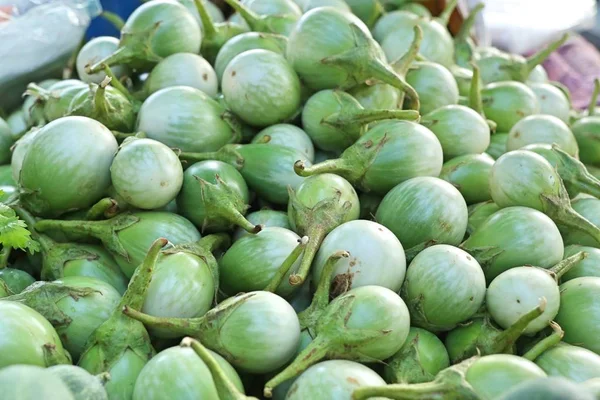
(523, 26)
(37, 41)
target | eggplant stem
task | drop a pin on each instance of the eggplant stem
(121, 55)
(572, 219)
(227, 154)
(575, 174)
(116, 83)
(385, 74)
(225, 388)
(338, 166)
(475, 100)
(313, 353)
(594, 99)
(566, 265)
(559, 209)
(133, 47)
(316, 235)
(588, 184)
(38, 92)
(535, 59)
(403, 64)
(509, 336)
(101, 209)
(45, 242)
(308, 318)
(546, 343)
(114, 19)
(101, 105)
(467, 26)
(429, 390)
(103, 230)
(363, 117)
(362, 63)
(4, 256)
(180, 326)
(214, 241)
(133, 296)
(207, 21)
(446, 13)
(283, 270)
(251, 18)
(120, 136)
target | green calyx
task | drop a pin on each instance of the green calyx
(355, 120)
(363, 63)
(464, 48)
(55, 255)
(498, 67)
(412, 252)
(107, 231)
(309, 317)
(558, 207)
(227, 154)
(449, 384)
(574, 174)
(44, 296)
(120, 333)
(205, 328)
(135, 49)
(485, 256)
(215, 34)
(420, 359)
(53, 356)
(405, 365)
(223, 206)
(40, 94)
(333, 340)
(225, 388)
(351, 119)
(263, 23)
(54, 104)
(352, 165)
(106, 105)
(315, 222)
(482, 337)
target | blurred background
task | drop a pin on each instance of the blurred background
(519, 26)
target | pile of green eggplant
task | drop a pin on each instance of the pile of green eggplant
(309, 200)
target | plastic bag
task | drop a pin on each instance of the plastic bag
(38, 40)
(523, 26)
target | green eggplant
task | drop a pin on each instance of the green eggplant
(388, 154)
(470, 175)
(506, 103)
(121, 345)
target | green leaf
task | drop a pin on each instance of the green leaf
(14, 233)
